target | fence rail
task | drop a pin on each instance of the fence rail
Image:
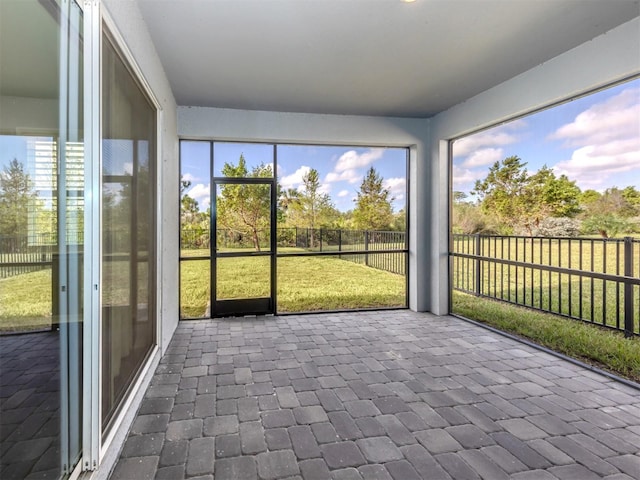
(588, 279)
(26, 253)
(318, 240)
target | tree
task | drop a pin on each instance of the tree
(632, 196)
(459, 197)
(373, 204)
(288, 198)
(469, 218)
(399, 223)
(520, 200)
(245, 209)
(505, 193)
(16, 196)
(309, 206)
(623, 203)
(560, 195)
(588, 197)
(189, 207)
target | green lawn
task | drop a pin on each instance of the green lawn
(25, 301)
(606, 349)
(304, 284)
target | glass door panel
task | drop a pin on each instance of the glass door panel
(243, 159)
(243, 217)
(128, 228)
(244, 212)
(195, 177)
(41, 238)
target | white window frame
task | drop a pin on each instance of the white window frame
(94, 445)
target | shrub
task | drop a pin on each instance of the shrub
(607, 225)
(557, 227)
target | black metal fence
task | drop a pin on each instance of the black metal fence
(373, 244)
(365, 241)
(26, 253)
(588, 279)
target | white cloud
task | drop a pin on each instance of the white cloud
(352, 159)
(350, 176)
(201, 193)
(607, 137)
(190, 178)
(343, 193)
(464, 178)
(592, 166)
(613, 119)
(397, 186)
(483, 157)
(325, 188)
(494, 137)
(295, 179)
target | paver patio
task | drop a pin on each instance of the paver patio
(375, 395)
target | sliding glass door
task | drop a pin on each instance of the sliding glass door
(128, 228)
(41, 237)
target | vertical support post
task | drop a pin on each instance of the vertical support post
(340, 240)
(366, 247)
(478, 243)
(628, 287)
(320, 238)
(91, 418)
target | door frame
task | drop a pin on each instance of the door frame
(243, 306)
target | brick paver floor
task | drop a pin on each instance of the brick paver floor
(30, 405)
(375, 395)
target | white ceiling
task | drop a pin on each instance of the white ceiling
(362, 57)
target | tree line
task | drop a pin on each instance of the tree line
(511, 200)
(244, 209)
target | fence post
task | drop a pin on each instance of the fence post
(340, 240)
(366, 247)
(478, 289)
(628, 287)
(320, 238)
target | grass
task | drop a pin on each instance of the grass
(25, 301)
(605, 349)
(304, 284)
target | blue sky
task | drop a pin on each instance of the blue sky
(594, 140)
(341, 169)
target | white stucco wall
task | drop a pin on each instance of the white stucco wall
(277, 127)
(609, 58)
(131, 27)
